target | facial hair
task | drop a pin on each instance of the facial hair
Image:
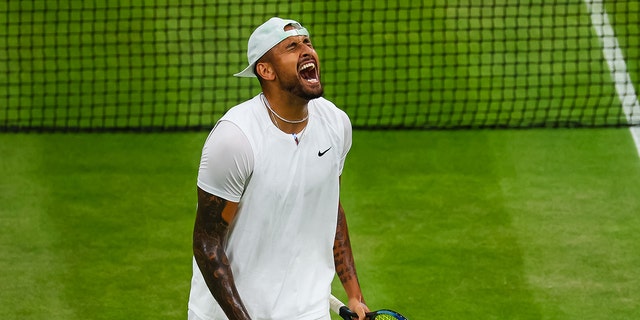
(295, 87)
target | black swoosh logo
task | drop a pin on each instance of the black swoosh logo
(321, 153)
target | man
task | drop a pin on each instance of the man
(270, 232)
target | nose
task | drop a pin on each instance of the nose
(306, 51)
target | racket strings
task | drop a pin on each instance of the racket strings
(384, 317)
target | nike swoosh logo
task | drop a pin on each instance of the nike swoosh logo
(321, 153)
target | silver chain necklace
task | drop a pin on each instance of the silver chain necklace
(266, 103)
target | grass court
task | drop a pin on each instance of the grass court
(445, 224)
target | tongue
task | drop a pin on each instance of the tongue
(308, 73)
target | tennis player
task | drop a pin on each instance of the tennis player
(270, 232)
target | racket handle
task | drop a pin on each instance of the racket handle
(339, 308)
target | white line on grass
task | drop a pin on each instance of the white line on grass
(617, 66)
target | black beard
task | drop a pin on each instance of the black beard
(298, 90)
(310, 95)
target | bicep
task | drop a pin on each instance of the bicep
(214, 210)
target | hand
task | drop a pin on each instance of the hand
(359, 308)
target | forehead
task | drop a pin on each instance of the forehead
(293, 39)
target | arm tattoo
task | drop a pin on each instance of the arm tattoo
(342, 254)
(209, 235)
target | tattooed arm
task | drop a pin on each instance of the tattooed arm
(209, 234)
(345, 266)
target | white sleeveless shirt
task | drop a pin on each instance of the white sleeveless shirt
(280, 244)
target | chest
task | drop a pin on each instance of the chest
(283, 167)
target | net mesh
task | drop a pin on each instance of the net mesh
(95, 65)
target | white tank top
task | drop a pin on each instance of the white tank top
(280, 244)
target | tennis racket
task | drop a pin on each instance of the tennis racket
(338, 307)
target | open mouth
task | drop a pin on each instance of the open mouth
(309, 72)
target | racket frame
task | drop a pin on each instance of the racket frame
(342, 310)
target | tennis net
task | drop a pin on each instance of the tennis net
(162, 65)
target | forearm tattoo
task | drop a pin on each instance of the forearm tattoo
(342, 254)
(209, 236)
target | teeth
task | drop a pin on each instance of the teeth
(310, 66)
(307, 65)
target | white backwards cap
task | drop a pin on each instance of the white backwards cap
(267, 36)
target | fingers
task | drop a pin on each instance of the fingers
(361, 310)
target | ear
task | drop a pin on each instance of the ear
(265, 71)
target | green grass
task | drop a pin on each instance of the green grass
(498, 225)
(538, 224)
(96, 226)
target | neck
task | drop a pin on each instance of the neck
(287, 117)
(287, 106)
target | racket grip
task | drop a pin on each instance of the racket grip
(339, 308)
(335, 304)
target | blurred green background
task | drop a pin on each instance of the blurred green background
(167, 65)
